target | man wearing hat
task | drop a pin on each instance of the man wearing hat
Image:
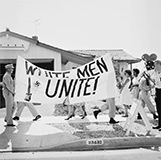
(8, 93)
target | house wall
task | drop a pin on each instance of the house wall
(11, 47)
(69, 66)
(30, 51)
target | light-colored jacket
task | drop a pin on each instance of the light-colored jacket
(8, 83)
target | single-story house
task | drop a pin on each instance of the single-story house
(49, 57)
(43, 55)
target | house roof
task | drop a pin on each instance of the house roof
(77, 56)
(117, 54)
(66, 55)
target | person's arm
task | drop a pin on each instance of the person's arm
(135, 85)
(124, 84)
(143, 86)
(8, 85)
(2, 84)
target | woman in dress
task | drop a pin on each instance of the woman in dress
(135, 84)
(125, 94)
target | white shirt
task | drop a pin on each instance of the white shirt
(135, 80)
(157, 77)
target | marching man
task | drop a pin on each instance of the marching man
(8, 94)
(157, 78)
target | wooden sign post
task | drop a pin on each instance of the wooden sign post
(133, 112)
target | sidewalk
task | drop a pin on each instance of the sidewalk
(123, 154)
(52, 133)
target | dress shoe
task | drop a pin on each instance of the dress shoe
(95, 113)
(157, 127)
(72, 115)
(16, 118)
(112, 121)
(36, 118)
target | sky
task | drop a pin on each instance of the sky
(131, 25)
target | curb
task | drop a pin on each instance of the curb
(99, 144)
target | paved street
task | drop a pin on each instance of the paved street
(128, 154)
(51, 133)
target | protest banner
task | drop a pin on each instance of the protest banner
(93, 81)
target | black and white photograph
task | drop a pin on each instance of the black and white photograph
(80, 79)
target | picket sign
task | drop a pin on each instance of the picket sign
(133, 112)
